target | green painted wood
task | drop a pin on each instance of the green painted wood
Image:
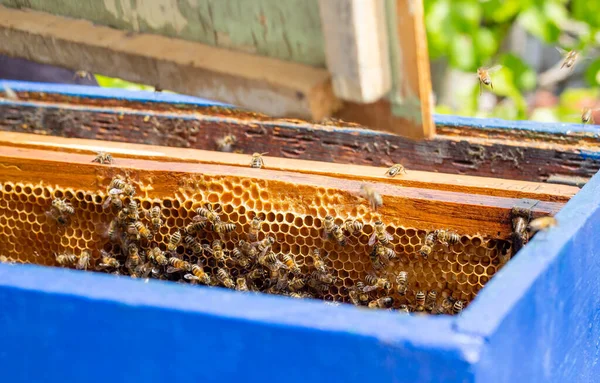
(283, 29)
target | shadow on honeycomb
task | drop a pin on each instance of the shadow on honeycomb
(303, 261)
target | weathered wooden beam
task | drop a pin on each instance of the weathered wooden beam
(408, 109)
(356, 47)
(517, 150)
(275, 87)
(415, 179)
(282, 29)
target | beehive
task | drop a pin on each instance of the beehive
(293, 213)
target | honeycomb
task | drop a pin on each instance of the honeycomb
(30, 234)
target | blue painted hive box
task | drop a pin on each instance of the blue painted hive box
(535, 321)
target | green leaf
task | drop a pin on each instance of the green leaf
(592, 73)
(524, 77)
(466, 16)
(462, 53)
(501, 11)
(535, 22)
(486, 43)
(587, 10)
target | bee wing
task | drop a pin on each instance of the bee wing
(115, 191)
(199, 218)
(389, 236)
(172, 270)
(562, 51)
(368, 289)
(372, 239)
(494, 68)
(190, 277)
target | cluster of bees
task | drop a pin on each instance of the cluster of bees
(568, 62)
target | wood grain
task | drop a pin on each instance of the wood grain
(356, 47)
(415, 179)
(409, 207)
(271, 86)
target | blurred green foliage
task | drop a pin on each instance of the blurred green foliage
(469, 33)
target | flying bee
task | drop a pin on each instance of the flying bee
(254, 229)
(395, 170)
(427, 246)
(403, 309)
(83, 74)
(318, 262)
(257, 161)
(420, 301)
(108, 261)
(457, 308)
(352, 226)
(542, 224)
(103, 158)
(374, 283)
(158, 256)
(297, 283)
(143, 230)
(570, 58)
(224, 227)
(264, 245)
(483, 74)
(383, 252)
(174, 241)
(65, 259)
(195, 227)
(83, 261)
(381, 303)
(430, 300)
(178, 265)
(199, 274)
(288, 261)
(447, 237)
(380, 234)
(241, 284)
(374, 198)
(224, 277)
(155, 218)
(402, 281)
(192, 244)
(226, 143)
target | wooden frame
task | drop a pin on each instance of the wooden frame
(395, 60)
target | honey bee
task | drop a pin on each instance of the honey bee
(83, 75)
(241, 284)
(224, 277)
(570, 58)
(240, 258)
(195, 227)
(174, 241)
(296, 295)
(352, 226)
(226, 143)
(357, 295)
(289, 262)
(444, 307)
(382, 303)
(318, 262)
(395, 170)
(155, 218)
(420, 301)
(120, 184)
(257, 273)
(133, 258)
(192, 244)
(430, 300)
(208, 213)
(224, 227)
(248, 249)
(447, 237)
(483, 74)
(374, 198)
(198, 274)
(178, 265)
(83, 261)
(374, 283)
(63, 206)
(217, 250)
(264, 245)
(108, 261)
(297, 283)
(402, 281)
(254, 229)
(132, 231)
(257, 161)
(427, 246)
(113, 234)
(384, 253)
(332, 230)
(270, 260)
(103, 158)
(542, 224)
(322, 278)
(65, 259)
(133, 213)
(158, 256)
(380, 234)
(403, 309)
(143, 230)
(457, 308)
(114, 199)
